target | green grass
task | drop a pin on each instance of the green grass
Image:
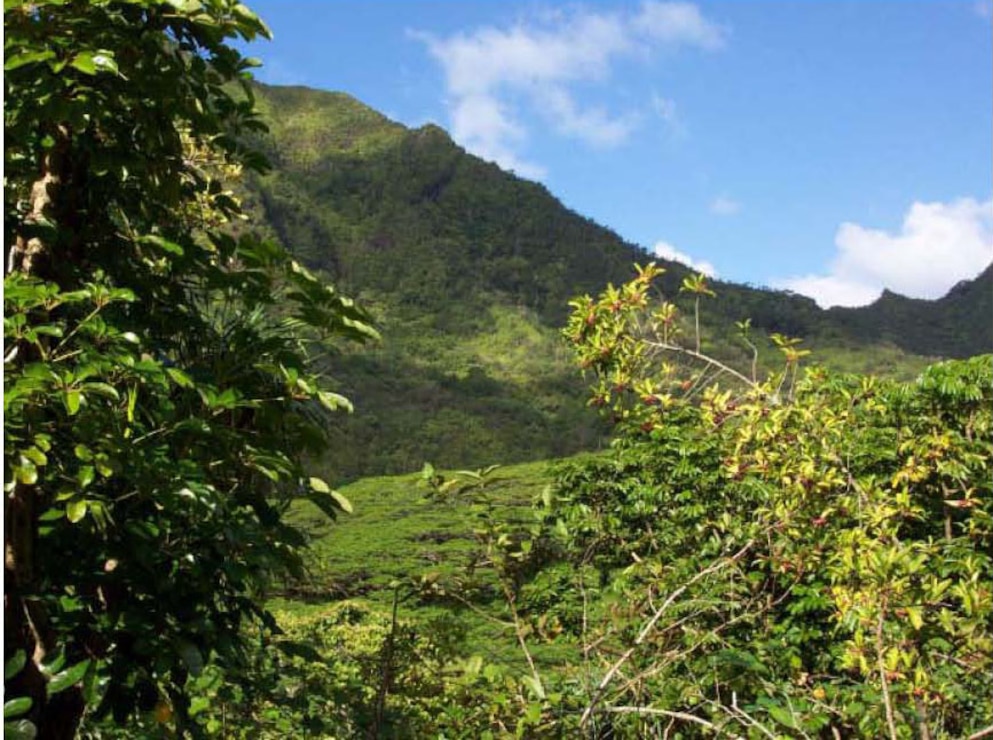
(398, 531)
(397, 535)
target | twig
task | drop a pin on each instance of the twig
(745, 719)
(663, 713)
(650, 625)
(519, 630)
(386, 671)
(890, 722)
(925, 731)
(699, 356)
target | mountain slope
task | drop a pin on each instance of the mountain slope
(959, 324)
(469, 270)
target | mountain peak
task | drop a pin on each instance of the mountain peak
(309, 125)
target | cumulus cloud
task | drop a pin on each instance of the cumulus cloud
(494, 76)
(938, 245)
(668, 252)
(724, 206)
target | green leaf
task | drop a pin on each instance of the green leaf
(72, 400)
(343, 502)
(51, 515)
(104, 465)
(92, 62)
(50, 330)
(16, 707)
(69, 677)
(14, 665)
(103, 389)
(326, 503)
(164, 244)
(783, 716)
(36, 456)
(319, 485)
(534, 684)
(22, 729)
(26, 471)
(179, 377)
(31, 57)
(334, 401)
(76, 510)
(85, 475)
(188, 7)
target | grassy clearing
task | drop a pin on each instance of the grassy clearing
(402, 537)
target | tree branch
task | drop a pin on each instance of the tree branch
(650, 625)
(666, 347)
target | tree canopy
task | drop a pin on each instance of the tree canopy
(159, 388)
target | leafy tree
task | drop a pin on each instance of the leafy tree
(808, 555)
(160, 394)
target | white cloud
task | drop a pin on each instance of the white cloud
(668, 252)
(724, 206)
(938, 245)
(593, 125)
(494, 76)
(679, 23)
(831, 290)
(484, 123)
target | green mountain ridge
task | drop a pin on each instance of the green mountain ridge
(929, 327)
(469, 270)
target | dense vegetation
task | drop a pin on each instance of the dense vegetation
(160, 392)
(767, 548)
(806, 556)
(460, 259)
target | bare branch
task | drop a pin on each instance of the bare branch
(890, 722)
(650, 625)
(664, 713)
(666, 347)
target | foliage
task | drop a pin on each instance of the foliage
(160, 392)
(680, 583)
(799, 555)
(454, 665)
(793, 554)
(461, 388)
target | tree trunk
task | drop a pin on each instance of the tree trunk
(26, 624)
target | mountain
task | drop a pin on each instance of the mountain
(469, 270)
(960, 324)
(409, 214)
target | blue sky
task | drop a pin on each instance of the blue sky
(832, 148)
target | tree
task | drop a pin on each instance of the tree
(805, 555)
(160, 395)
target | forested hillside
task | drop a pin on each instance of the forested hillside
(469, 270)
(958, 325)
